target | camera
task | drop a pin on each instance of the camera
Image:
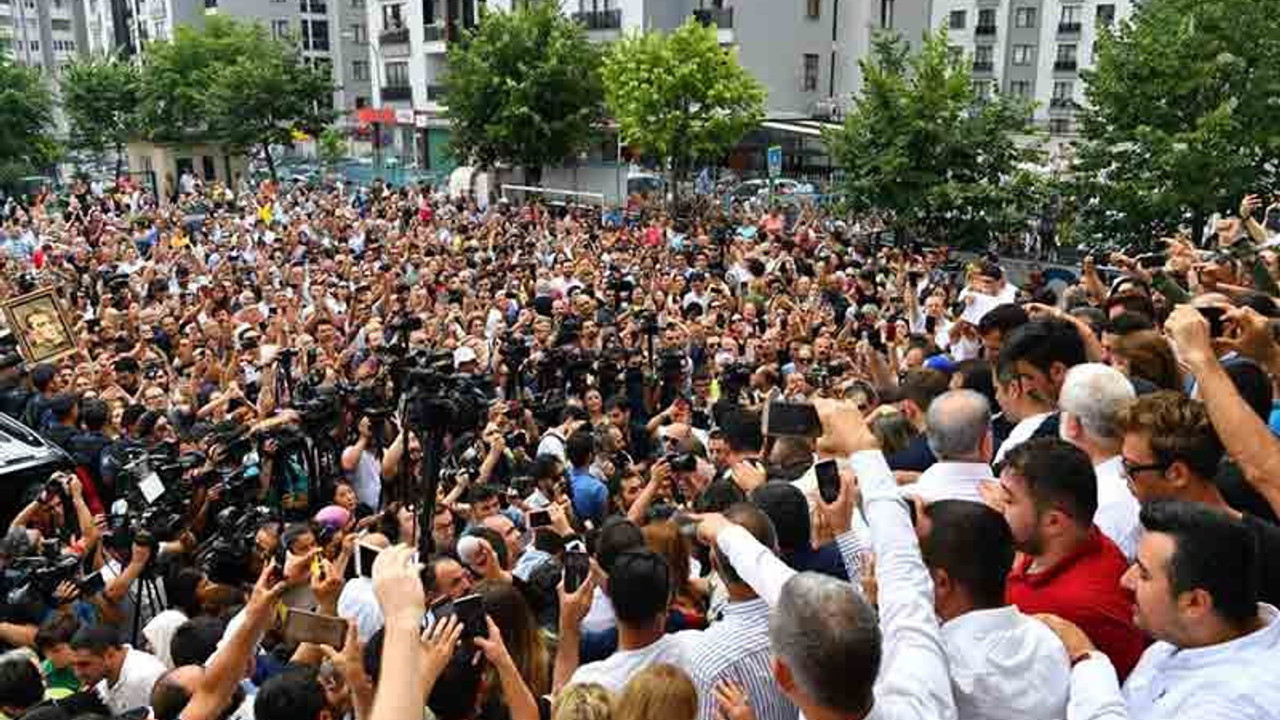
(682, 462)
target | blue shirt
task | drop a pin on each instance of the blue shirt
(590, 496)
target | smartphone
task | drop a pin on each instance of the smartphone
(92, 584)
(366, 555)
(301, 626)
(539, 518)
(891, 332)
(470, 612)
(577, 565)
(791, 419)
(1215, 317)
(828, 480)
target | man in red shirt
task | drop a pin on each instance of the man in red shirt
(1067, 567)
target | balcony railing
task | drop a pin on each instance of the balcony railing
(394, 36)
(600, 19)
(984, 30)
(1065, 65)
(1062, 103)
(715, 17)
(983, 65)
(436, 93)
(435, 32)
(1068, 28)
(397, 92)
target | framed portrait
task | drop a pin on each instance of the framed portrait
(41, 328)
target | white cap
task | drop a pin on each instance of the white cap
(462, 355)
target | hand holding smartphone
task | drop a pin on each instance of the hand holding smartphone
(828, 475)
(301, 626)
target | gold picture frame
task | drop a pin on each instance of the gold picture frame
(39, 323)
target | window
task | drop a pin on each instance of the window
(987, 18)
(1106, 15)
(1066, 53)
(886, 14)
(360, 34)
(1022, 54)
(1063, 90)
(1070, 15)
(360, 69)
(361, 102)
(1060, 126)
(955, 52)
(813, 9)
(279, 29)
(315, 7)
(392, 19)
(315, 35)
(357, 4)
(810, 72)
(397, 74)
(60, 24)
(1020, 88)
(982, 89)
(983, 55)
(1024, 17)
(957, 19)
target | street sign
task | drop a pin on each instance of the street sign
(775, 161)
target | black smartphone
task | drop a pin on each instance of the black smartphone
(828, 480)
(791, 419)
(470, 612)
(539, 518)
(366, 555)
(92, 584)
(576, 568)
(1215, 317)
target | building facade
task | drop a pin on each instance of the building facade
(43, 34)
(1031, 48)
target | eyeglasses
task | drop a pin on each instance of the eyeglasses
(1131, 468)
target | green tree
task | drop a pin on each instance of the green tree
(26, 117)
(233, 83)
(681, 97)
(523, 88)
(920, 144)
(331, 146)
(1181, 117)
(100, 96)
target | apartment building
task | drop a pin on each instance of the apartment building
(1031, 48)
(330, 33)
(44, 34)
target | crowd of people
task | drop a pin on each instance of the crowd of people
(378, 453)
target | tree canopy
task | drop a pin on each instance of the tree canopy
(523, 88)
(681, 97)
(1181, 116)
(100, 96)
(26, 119)
(921, 144)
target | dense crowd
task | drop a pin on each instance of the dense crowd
(379, 453)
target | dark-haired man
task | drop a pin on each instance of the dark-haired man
(1069, 568)
(1029, 373)
(123, 676)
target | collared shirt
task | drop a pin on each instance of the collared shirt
(950, 480)
(1234, 680)
(913, 683)
(1006, 666)
(614, 671)
(138, 674)
(1021, 433)
(1084, 588)
(1117, 515)
(736, 648)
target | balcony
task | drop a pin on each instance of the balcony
(394, 36)
(600, 19)
(392, 93)
(1068, 28)
(721, 18)
(1065, 65)
(435, 32)
(983, 65)
(1062, 103)
(981, 30)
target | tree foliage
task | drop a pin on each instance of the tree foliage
(26, 118)
(681, 97)
(1181, 117)
(100, 96)
(921, 145)
(232, 82)
(523, 88)
(331, 146)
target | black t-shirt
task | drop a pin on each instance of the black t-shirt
(1267, 537)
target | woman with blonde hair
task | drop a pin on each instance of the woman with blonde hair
(520, 634)
(659, 692)
(688, 593)
(1147, 354)
(583, 701)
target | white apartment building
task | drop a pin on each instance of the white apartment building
(44, 34)
(1031, 48)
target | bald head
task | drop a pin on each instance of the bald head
(959, 422)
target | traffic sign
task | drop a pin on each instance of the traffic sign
(775, 161)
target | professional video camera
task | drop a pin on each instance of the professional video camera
(225, 557)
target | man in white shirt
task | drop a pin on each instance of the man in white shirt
(122, 676)
(639, 587)
(892, 664)
(959, 434)
(1004, 665)
(1092, 400)
(1216, 647)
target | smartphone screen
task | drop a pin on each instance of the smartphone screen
(576, 568)
(1214, 315)
(470, 612)
(301, 626)
(539, 518)
(365, 557)
(828, 480)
